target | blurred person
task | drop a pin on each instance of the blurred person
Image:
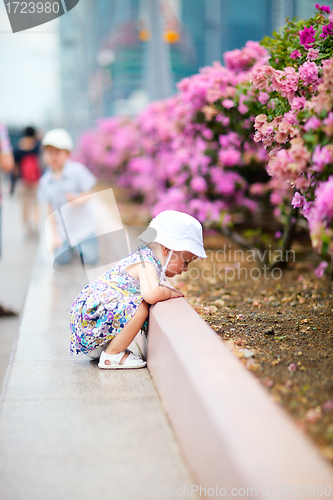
(14, 175)
(65, 186)
(6, 165)
(26, 157)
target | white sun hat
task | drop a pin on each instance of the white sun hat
(177, 231)
(58, 138)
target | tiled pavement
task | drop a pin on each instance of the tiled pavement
(69, 430)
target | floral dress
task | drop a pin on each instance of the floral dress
(105, 306)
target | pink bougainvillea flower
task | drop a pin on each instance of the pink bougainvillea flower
(313, 415)
(308, 72)
(319, 214)
(228, 103)
(231, 139)
(307, 208)
(263, 97)
(292, 367)
(312, 54)
(208, 134)
(328, 405)
(257, 189)
(307, 37)
(321, 157)
(297, 201)
(312, 123)
(324, 199)
(225, 120)
(242, 108)
(230, 157)
(320, 270)
(198, 184)
(327, 30)
(241, 60)
(298, 103)
(260, 77)
(269, 383)
(285, 82)
(323, 8)
(296, 53)
(328, 122)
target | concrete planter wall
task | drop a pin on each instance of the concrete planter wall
(237, 441)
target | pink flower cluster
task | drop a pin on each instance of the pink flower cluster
(320, 215)
(112, 144)
(323, 8)
(295, 54)
(320, 270)
(286, 82)
(183, 153)
(308, 73)
(242, 60)
(304, 163)
(297, 125)
(307, 37)
(290, 164)
(327, 30)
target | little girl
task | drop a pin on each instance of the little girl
(109, 312)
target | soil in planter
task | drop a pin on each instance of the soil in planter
(280, 326)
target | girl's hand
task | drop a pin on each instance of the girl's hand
(72, 198)
(175, 293)
(150, 289)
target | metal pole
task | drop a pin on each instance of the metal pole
(159, 81)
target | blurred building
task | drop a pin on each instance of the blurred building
(117, 55)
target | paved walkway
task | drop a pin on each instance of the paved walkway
(69, 430)
(18, 253)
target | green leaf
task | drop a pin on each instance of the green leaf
(311, 138)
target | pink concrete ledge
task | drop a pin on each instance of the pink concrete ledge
(232, 434)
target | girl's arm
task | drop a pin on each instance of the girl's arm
(151, 291)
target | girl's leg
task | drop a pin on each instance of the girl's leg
(127, 334)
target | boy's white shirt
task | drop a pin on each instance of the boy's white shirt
(74, 222)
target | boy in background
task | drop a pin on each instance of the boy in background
(65, 186)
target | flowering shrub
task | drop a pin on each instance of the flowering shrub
(205, 149)
(194, 151)
(208, 159)
(316, 185)
(296, 124)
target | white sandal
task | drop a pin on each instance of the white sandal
(113, 361)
